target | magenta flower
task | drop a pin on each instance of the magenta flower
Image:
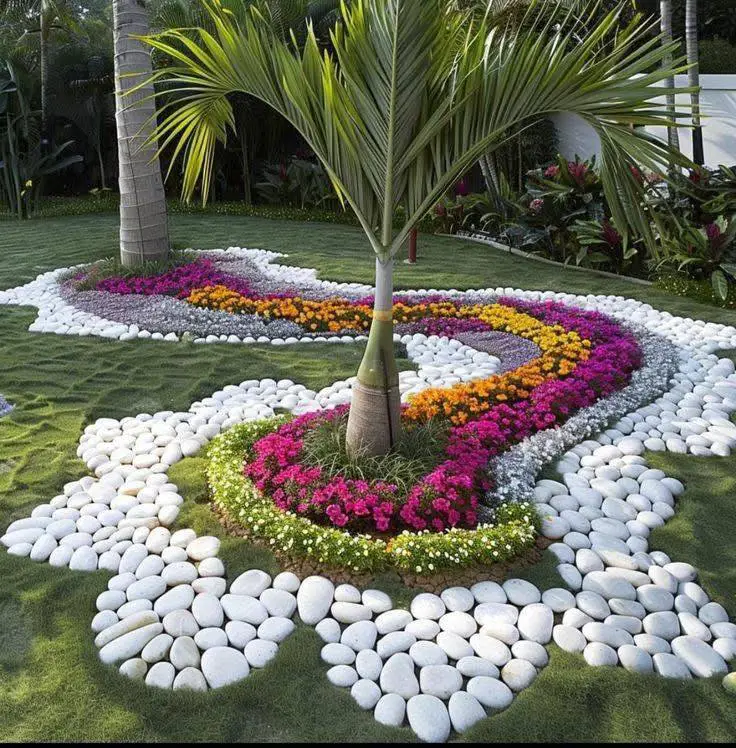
(449, 494)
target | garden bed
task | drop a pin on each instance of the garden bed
(177, 373)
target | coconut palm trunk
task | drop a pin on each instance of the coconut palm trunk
(144, 234)
(693, 76)
(665, 12)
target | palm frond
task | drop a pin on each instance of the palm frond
(415, 93)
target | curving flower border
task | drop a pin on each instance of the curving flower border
(498, 412)
(512, 530)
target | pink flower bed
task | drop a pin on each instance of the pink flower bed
(178, 282)
(448, 496)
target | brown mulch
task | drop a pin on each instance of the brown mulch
(466, 576)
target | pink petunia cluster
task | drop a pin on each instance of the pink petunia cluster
(448, 496)
(179, 281)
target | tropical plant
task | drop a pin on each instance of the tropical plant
(24, 160)
(412, 96)
(475, 210)
(600, 244)
(696, 223)
(705, 252)
(301, 182)
(556, 199)
(722, 184)
(285, 17)
(144, 233)
(40, 18)
(88, 105)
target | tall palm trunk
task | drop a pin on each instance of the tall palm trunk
(665, 11)
(101, 162)
(143, 227)
(693, 76)
(374, 421)
(44, 63)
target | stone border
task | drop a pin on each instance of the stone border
(516, 469)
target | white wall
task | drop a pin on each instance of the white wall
(718, 106)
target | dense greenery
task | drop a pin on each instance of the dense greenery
(717, 56)
(716, 18)
(563, 215)
(77, 97)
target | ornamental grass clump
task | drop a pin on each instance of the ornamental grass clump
(414, 455)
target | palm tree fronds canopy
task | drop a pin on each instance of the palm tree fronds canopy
(416, 92)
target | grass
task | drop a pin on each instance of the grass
(52, 685)
(418, 451)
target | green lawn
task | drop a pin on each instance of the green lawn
(53, 687)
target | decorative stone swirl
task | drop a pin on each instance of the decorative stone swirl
(168, 616)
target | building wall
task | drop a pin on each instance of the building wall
(718, 106)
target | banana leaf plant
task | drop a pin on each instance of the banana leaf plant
(410, 95)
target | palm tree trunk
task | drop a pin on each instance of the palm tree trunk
(44, 64)
(374, 422)
(243, 136)
(144, 231)
(693, 76)
(488, 171)
(490, 177)
(665, 10)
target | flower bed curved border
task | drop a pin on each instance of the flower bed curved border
(518, 468)
(514, 530)
(451, 494)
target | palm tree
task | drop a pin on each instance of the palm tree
(665, 12)
(412, 96)
(50, 15)
(144, 233)
(693, 77)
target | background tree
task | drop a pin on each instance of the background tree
(39, 18)
(144, 234)
(716, 18)
(665, 11)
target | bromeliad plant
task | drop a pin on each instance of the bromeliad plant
(411, 95)
(557, 197)
(300, 182)
(705, 252)
(696, 222)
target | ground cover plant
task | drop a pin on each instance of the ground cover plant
(53, 684)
